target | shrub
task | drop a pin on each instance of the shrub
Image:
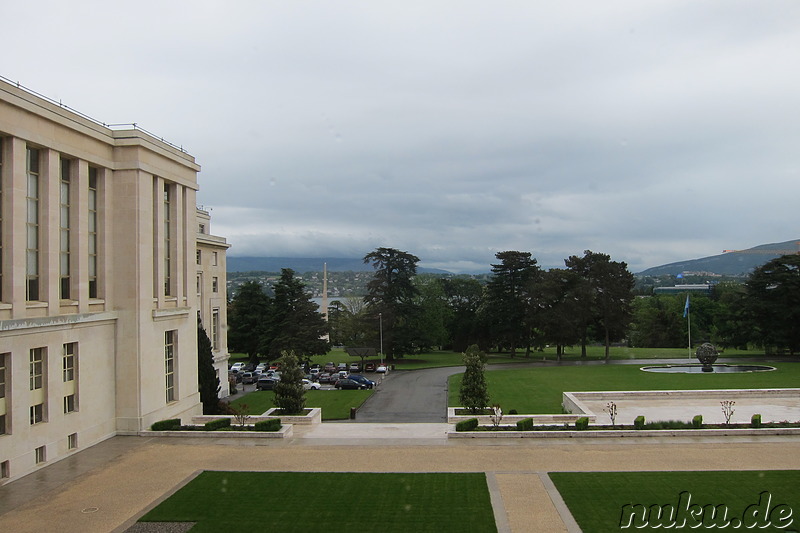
(273, 424)
(219, 423)
(697, 422)
(582, 423)
(467, 425)
(668, 424)
(173, 424)
(513, 412)
(526, 424)
(638, 422)
(755, 421)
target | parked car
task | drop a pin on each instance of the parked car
(249, 377)
(342, 366)
(310, 385)
(237, 367)
(355, 368)
(266, 383)
(361, 379)
(324, 377)
(330, 368)
(381, 369)
(314, 371)
(317, 366)
(369, 367)
(261, 367)
(236, 376)
(349, 384)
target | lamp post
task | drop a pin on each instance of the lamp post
(380, 324)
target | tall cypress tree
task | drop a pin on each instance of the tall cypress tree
(207, 379)
(474, 394)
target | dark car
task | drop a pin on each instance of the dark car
(324, 377)
(369, 367)
(249, 377)
(361, 379)
(266, 384)
(349, 384)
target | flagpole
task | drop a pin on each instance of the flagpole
(689, 319)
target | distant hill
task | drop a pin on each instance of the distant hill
(727, 264)
(305, 264)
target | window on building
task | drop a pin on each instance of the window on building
(169, 363)
(37, 413)
(167, 240)
(5, 470)
(64, 224)
(199, 257)
(72, 441)
(37, 368)
(32, 226)
(40, 454)
(4, 388)
(69, 404)
(92, 237)
(201, 228)
(215, 284)
(199, 284)
(68, 361)
(215, 329)
(214, 258)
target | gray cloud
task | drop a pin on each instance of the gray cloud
(652, 131)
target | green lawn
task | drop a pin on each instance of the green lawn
(538, 390)
(335, 404)
(317, 501)
(596, 499)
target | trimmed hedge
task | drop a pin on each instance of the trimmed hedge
(755, 421)
(526, 424)
(219, 423)
(173, 424)
(582, 423)
(467, 425)
(697, 421)
(638, 422)
(273, 424)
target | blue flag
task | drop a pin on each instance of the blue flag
(686, 307)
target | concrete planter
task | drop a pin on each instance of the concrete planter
(624, 433)
(284, 432)
(314, 416)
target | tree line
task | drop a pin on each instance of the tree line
(521, 308)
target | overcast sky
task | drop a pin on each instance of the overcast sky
(653, 131)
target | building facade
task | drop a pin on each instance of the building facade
(98, 307)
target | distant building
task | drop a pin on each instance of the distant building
(98, 305)
(679, 289)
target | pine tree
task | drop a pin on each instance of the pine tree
(290, 396)
(297, 324)
(474, 394)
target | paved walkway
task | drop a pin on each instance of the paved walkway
(107, 487)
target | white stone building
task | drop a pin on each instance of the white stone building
(98, 304)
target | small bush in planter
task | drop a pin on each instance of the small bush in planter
(173, 424)
(273, 424)
(755, 421)
(217, 424)
(638, 422)
(526, 424)
(582, 423)
(697, 422)
(467, 425)
(513, 412)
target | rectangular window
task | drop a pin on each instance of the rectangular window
(64, 259)
(215, 284)
(37, 368)
(69, 404)
(72, 441)
(214, 258)
(199, 257)
(41, 455)
(199, 284)
(68, 361)
(37, 413)
(5, 470)
(4, 375)
(201, 228)
(92, 237)
(32, 226)
(169, 363)
(215, 329)
(167, 240)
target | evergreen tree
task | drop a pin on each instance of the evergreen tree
(509, 299)
(290, 396)
(772, 303)
(474, 394)
(208, 382)
(248, 320)
(390, 296)
(297, 324)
